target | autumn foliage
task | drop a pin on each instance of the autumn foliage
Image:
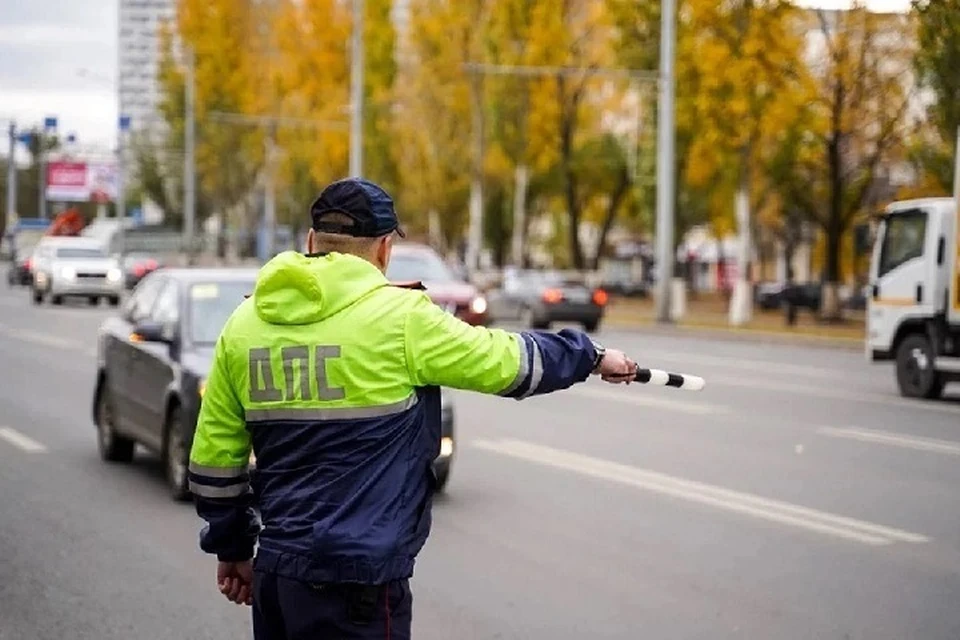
(756, 110)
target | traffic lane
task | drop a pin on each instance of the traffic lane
(843, 391)
(120, 522)
(93, 551)
(887, 485)
(77, 323)
(559, 555)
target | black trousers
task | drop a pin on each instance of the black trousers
(285, 609)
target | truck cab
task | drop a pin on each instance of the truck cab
(913, 311)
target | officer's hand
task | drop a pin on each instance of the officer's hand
(616, 367)
(235, 580)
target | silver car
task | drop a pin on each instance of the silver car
(75, 267)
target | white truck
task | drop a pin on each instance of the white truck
(913, 310)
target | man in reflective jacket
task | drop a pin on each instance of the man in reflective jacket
(332, 376)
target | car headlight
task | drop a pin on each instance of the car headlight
(446, 447)
(114, 275)
(68, 273)
(478, 305)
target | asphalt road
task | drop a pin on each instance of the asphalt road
(796, 497)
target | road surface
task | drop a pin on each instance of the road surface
(797, 497)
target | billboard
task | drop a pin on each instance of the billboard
(79, 181)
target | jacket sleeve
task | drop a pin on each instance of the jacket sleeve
(219, 468)
(443, 350)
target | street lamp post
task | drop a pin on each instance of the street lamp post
(49, 127)
(124, 126)
(666, 200)
(11, 175)
(356, 91)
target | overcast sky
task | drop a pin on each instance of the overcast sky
(59, 57)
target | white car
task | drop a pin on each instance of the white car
(75, 267)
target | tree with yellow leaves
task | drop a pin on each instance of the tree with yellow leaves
(864, 91)
(752, 84)
(219, 33)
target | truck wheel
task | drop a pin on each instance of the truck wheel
(916, 376)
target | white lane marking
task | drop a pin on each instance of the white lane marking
(748, 504)
(836, 394)
(649, 401)
(21, 441)
(919, 443)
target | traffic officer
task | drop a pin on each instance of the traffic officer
(332, 376)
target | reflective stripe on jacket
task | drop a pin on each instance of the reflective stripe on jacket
(332, 377)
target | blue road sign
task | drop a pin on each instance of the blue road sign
(25, 138)
(50, 122)
(124, 123)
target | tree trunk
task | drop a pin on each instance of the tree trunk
(830, 304)
(521, 176)
(568, 115)
(741, 303)
(610, 216)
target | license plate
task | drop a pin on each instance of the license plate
(578, 297)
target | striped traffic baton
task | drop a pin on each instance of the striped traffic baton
(666, 379)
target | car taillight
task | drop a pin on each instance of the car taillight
(552, 296)
(28, 264)
(139, 270)
(151, 265)
(600, 297)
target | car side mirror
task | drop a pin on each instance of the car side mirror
(153, 332)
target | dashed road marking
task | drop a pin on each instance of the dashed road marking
(832, 393)
(747, 504)
(892, 439)
(21, 441)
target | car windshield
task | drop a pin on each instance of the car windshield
(419, 266)
(211, 304)
(80, 252)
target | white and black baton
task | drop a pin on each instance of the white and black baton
(666, 379)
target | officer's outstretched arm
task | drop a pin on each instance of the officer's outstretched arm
(219, 468)
(443, 350)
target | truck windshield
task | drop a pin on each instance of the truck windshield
(903, 239)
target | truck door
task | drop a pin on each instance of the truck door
(900, 278)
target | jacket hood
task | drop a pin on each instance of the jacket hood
(294, 289)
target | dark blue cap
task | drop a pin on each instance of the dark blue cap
(367, 204)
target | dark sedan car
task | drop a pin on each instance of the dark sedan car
(539, 298)
(153, 360)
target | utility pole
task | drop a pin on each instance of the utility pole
(11, 175)
(123, 125)
(270, 193)
(475, 229)
(666, 200)
(49, 126)
(189, 165)
(356, 91)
